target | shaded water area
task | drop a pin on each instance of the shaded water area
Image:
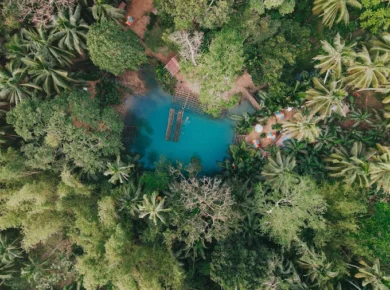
(201, 136)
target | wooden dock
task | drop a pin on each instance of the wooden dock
(170, 123)
(179, 122)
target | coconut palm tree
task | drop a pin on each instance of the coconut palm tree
(9, 253)
(380, 169)
(70, 30)
(372, 276)
(119, 171)
(39, 42)
(277, 167)
(14, 84)
(335, 56)
(101, 11)
(130, 197)
(153, 206)
(325, 100)
(381, 42)
(333, 11)
(51, 79)
(319, 272)
(302, 128)
(352, 166)
(369, 71)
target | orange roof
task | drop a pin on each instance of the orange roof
(173, 66)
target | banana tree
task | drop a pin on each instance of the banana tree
(14, 84)
(70, 30)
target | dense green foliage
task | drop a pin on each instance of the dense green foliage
(114, 49)
(311, 211)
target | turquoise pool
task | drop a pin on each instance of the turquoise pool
(201, 136)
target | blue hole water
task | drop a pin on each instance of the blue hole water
(201, 136)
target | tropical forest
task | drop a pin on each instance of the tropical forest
(194, 144)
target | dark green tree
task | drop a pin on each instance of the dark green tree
(114, 49)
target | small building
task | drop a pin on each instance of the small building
(173, 66)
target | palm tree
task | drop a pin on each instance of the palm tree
(119, 171)
(9, 253)
(153, 207)
(369, 71)
(278, 167)
(39, 43)
(101, 12)
(335, 56)
(319, 272)
(70, 29)
(326, 99)
(14, 86)
(372, 276)
(380, 169)
(130, 197)
(302, 128)
(381, 42)
(360, 117)
(51, 79)
(333, 11)
(351, 166)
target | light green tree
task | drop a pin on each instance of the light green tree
(326, 99)
(302, 128)
(373, 276)
(368, 70)
(335, 56)
(333, 11)
(380, 169)
(287, 210)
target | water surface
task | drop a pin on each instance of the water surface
(201, 136)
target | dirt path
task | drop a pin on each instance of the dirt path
(139, 10)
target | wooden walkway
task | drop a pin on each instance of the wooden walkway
(251, 99)
(184, 99)
(179, 122)
(169, 125)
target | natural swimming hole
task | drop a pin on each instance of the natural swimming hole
(201, 136)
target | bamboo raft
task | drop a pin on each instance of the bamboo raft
(170, 123)
(179, 122)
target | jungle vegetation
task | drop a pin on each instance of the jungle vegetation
(78, 210)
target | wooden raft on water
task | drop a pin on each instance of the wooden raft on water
(179, 121)
(170, 122)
